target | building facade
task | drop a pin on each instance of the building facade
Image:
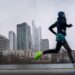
(36, 36)
(12, 40)
(4, 43)
(23, 37)
(44, 44)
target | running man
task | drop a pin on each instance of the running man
(61, 25)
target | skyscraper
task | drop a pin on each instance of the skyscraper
(12, 40)
(23, 37)
(36, 33)
(39, 37)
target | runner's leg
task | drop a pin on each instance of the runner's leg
(58, 46)
(69, 51)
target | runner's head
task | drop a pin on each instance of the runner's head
(61, 17)
(61, 14)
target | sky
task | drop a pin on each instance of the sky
(44, 14)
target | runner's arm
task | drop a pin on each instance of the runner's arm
(51, 28)
(70, 25)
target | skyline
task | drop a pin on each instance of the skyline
(24, 31)
(43, 12)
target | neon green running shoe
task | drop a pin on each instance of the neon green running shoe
(38, 55)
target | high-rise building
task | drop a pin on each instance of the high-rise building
(36, 33)
(44, 44)
(3, 43)
(6, 44)
(12, 40)
(23, 37)
(39, 37)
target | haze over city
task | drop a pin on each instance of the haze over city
(43, 12)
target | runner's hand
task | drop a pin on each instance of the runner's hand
(70, 25)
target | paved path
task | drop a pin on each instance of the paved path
(35, 66)
(39, 72)
(37, 69)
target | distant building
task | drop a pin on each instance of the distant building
(12, 40)
(23, 37)
(4, 44)
(44, 44)
(39, 37)
(36, 33)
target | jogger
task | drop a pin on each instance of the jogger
(61, 26)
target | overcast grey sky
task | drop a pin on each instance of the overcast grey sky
(44, 13)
